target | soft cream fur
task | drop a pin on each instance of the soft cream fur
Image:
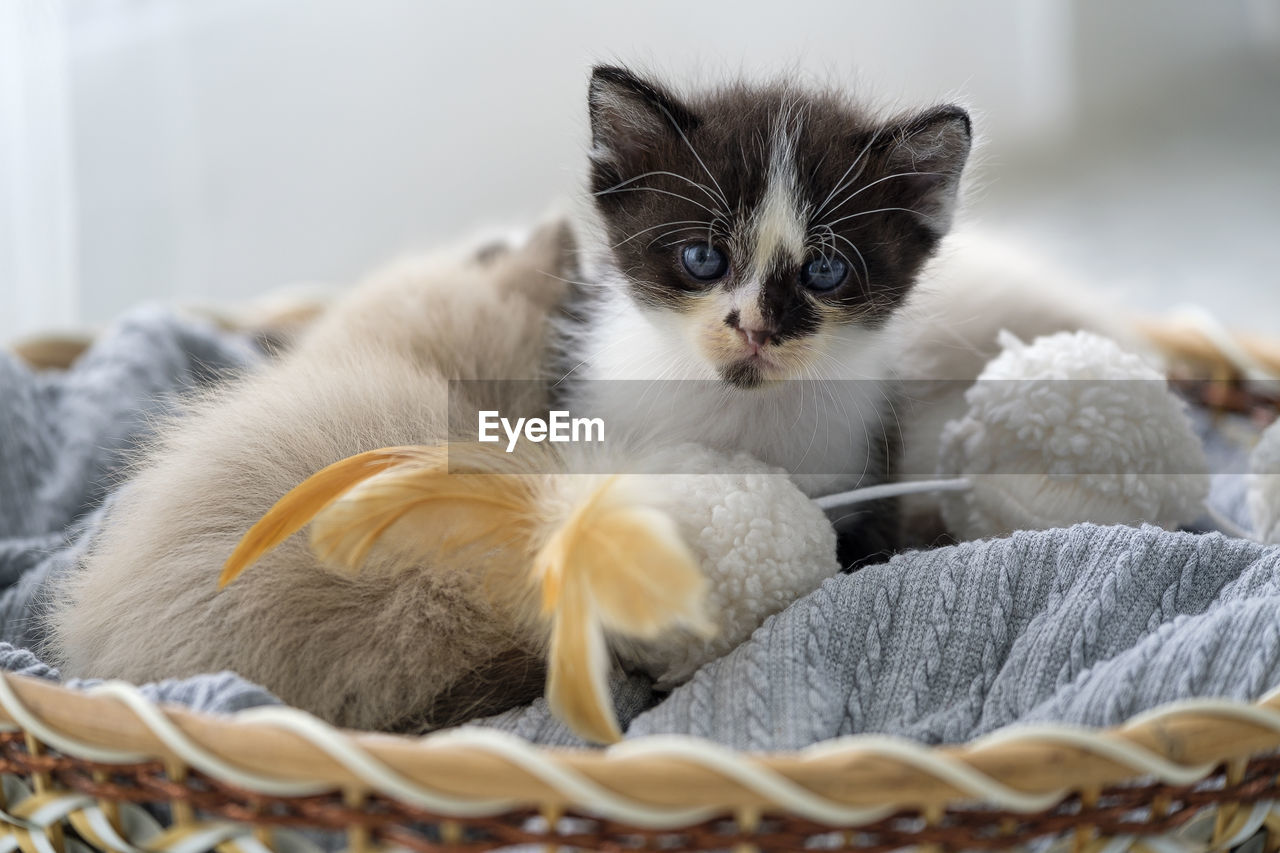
(355, 650)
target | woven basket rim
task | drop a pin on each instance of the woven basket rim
(656, 781)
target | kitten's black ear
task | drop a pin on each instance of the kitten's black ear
(629, 115)
(930, 150)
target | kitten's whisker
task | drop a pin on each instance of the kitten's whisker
(671, 367)
(595, 355)
(808, 377)
(840, 184)
(866, 273)
(711, 230)
(841, 254)
(897, 421)
(866, 433)
(673, 231)
(828, 248)
(816, 419)
(715, 198)
(869, 212)
(866, 187)
(697, 222)
(600, 284)
(825, 244)
(684, 138)
(664, 192)
(829, 388)
(723, 199)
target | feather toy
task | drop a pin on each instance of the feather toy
(581, 556)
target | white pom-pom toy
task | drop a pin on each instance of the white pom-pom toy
(761, 543)
(1071, 428)
(1067, 429)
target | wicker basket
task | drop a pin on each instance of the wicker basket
(1204, 771)
(79, 765)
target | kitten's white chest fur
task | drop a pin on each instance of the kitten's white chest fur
(648, 384)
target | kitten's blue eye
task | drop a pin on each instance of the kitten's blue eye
(704, 261)
(823, 273)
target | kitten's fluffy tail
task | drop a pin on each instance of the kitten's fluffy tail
(587, 554)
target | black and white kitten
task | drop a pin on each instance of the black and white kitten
(758, 240)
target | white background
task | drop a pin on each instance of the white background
(213, 150)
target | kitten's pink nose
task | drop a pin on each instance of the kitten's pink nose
(757, 337)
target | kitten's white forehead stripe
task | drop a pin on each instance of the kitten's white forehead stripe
(746, 301)
(780, 217)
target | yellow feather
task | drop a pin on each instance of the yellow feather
(292, 512)
(461, 495)
(464, 509)
(618, 565)
(643, 577)
(578, 669)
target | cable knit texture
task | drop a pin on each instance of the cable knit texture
(1088, 624)
(944, 645)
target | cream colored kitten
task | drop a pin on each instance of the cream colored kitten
(354, 649)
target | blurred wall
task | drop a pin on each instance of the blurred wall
(210, 150)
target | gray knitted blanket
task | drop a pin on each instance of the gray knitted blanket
(1087, 625)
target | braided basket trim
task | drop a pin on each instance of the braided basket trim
(718, 779)
(96, 800)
